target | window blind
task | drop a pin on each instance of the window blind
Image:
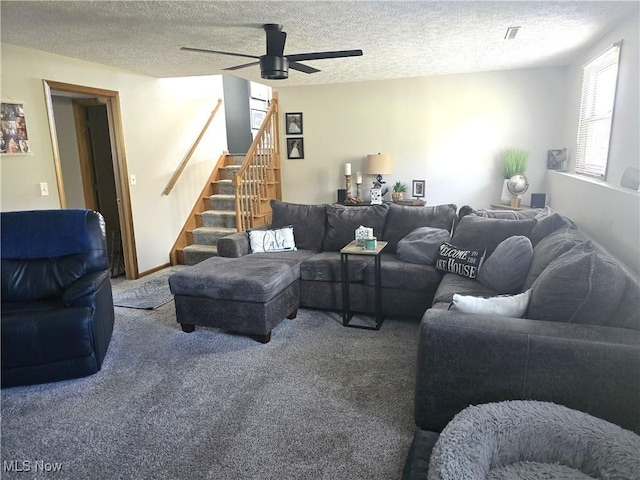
(599, 80)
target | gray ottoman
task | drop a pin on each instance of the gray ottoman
(248, 295)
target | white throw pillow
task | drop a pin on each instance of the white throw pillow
(503, 305)
(279, 240)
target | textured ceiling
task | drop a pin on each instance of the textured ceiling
(399, 39)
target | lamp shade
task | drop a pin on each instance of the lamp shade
(379, 164)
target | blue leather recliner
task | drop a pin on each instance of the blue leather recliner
(57, 306)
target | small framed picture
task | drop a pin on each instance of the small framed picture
(257, 117)
(14, 139)
(418, 188)
(293, 123)
(295, 148)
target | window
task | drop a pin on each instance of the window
(599, 79)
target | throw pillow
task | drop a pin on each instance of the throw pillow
(506, 269)
(503, 305)
(547, 222)
(460, 261)
(280, 240)
(550, 248)
(422, 246)
(307, 220)
(342, 223)
(402, 220)
(581, 286)
(479, 232)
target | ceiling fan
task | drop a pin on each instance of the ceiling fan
(275, 65)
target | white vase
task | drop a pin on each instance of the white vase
(506, 196)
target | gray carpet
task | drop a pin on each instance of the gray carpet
(145, 294)
(319, 401)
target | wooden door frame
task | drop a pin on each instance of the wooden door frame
(111, 99)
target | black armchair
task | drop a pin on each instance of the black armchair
(57, 306)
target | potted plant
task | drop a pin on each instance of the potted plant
(514, 162)
(398, 191)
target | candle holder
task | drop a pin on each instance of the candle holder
(347, 181)
(358, 192)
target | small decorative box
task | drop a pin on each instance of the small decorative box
(361, 234)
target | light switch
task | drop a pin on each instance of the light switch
(132, 178)
(44, 189)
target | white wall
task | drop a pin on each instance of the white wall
(608, 213)
(161, 119)
(447, 130)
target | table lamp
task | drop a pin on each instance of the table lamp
(379, 164)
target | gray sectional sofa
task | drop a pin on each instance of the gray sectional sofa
(322, 230)
(576, 343)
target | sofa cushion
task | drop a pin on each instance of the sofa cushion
(580, 286)
(547, 221)
(326, 267)
(308, 221)
(505, 214)
(502, 305)
(550, 248)
(452, 284)
(507, 267)
(342, 223)
(403, 219)
(401, 275)
(478, 232)
(460, 261)
(422, 246)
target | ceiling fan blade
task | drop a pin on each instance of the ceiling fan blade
(238, 67)
(218, 52)
(322, 55)
(302, 68)
(275, 42)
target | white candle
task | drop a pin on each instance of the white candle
(358, 177)
(347, 169)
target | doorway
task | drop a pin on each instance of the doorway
(101, 182)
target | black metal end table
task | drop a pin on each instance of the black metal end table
(347, 314)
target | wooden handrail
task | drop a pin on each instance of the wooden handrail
(174, 178)
(251, 181)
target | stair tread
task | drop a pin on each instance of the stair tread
(215, 229)
(200, 247)
(219, 212)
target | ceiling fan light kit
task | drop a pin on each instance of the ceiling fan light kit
(275, 65)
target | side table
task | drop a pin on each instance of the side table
(347, 314)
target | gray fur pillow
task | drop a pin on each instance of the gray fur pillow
(422, 246)
(506, 269)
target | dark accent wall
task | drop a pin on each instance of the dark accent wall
(238, 113)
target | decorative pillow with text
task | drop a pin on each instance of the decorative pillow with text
(460, 261)
(264, 241)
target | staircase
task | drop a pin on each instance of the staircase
(236, 196)
(218, 220)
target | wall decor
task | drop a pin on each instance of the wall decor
(257, 117)
(295, 148)
(14, 139)
(556, 159)
(418, 188)
(293, 123)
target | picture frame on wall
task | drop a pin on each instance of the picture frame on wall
(295, 148)
(257, 117)
(14, 138)
(418, 188)
(293, 123)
